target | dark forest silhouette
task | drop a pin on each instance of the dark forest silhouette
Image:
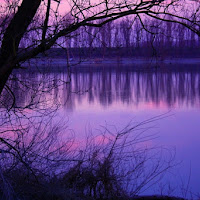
(36, 26)
(126, 38)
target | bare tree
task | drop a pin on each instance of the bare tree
(126, 28)
(21, 15)
(44, 161)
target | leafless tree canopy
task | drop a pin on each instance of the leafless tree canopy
(30, 146)
(42, 22)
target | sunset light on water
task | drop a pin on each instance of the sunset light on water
(99, 99)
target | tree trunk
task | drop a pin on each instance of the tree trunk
(5, 71)
(13, 36)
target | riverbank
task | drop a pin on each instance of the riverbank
(157, 197)
(129, 64)
(119, 61)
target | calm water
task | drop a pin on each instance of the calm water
(99, 96)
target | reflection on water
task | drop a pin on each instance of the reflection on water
(117, 96)
(136, 87)
(106, 87)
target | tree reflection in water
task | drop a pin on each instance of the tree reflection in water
(36, 96)
(107, 86)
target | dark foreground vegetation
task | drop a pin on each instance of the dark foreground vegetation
(37, 159)
(41, 160)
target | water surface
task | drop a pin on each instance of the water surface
(99, 96)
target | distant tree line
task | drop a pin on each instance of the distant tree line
(130, 33)
(31, 27)
(129, 37)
